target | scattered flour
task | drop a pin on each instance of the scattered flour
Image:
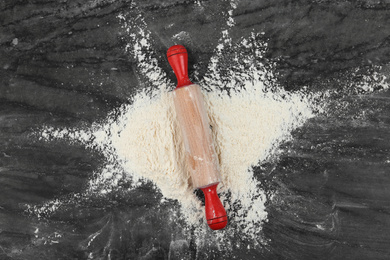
(143, 143)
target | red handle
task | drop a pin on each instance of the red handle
(178, 59)
(215, 212)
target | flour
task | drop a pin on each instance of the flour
(143, 144)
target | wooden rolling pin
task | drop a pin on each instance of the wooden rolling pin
(202, 160)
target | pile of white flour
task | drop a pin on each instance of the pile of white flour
(249, 120)
(145, 142)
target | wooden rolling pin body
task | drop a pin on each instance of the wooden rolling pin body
(202, 160)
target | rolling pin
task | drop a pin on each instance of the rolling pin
(201, 158)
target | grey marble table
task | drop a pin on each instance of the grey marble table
(56, 60)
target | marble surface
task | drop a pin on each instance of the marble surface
(56, 68)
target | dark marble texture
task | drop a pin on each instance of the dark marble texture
(56, 68)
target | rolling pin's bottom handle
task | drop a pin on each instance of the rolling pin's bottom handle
(215, 212)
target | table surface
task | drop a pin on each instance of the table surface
(64, 64)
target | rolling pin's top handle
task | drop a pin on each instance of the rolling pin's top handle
(178, 59)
